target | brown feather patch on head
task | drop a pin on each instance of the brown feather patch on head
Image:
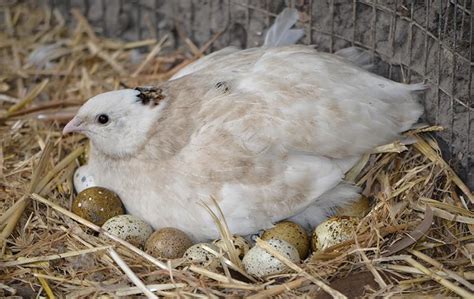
(150, 95)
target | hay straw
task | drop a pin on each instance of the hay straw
(52, 257)
(229, 263)
(441, 268)
(150, 55)
(412, 270)
(46, 287)
(132, 276)
(224, 232)
(59, 279)
(423, 146)
(28, 98)
(458, 290)
(402, 180)
(8, 214)
(17, 209)
(413, 236)
(446, 215)
(152, 287)
(378, 278)
(97, 51)
(395, 147)
(214, 276)
(264, 245)
(273, 291)
(60, 166)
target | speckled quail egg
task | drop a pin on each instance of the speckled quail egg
(129, 228)
(258, 262)
(240, 244)
(168, 242)
(358, 208)
(292, 233)
(83, 179)
(198, 255)
(97, 205)
(333, 231)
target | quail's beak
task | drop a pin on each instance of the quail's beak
(74, 125)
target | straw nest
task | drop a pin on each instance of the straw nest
(416, 240)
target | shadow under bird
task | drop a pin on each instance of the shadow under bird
(269, 132)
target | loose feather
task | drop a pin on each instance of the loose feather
(281, 34)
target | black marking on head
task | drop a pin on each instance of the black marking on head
(150, 95)
(223, 86)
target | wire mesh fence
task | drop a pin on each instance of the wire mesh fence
(411, 41)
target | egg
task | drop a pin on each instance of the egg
(258, 262)
(129, 228)
(198, 255)
(168, 242)
(358, 208)
(97, 205)
(239, 242)
(82, 179)
(333, 231)
(292, 233)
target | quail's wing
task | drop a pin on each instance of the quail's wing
(301, 100)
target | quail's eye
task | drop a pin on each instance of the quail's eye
(103, 119)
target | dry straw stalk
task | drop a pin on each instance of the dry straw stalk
(48, 70)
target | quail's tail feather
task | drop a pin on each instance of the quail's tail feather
(417, 87)
(410, 110)
(408, 105)
(280, 33)
(356, 55)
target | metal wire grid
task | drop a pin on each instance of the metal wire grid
(428, 40)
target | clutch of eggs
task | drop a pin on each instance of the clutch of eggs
(104, 207)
